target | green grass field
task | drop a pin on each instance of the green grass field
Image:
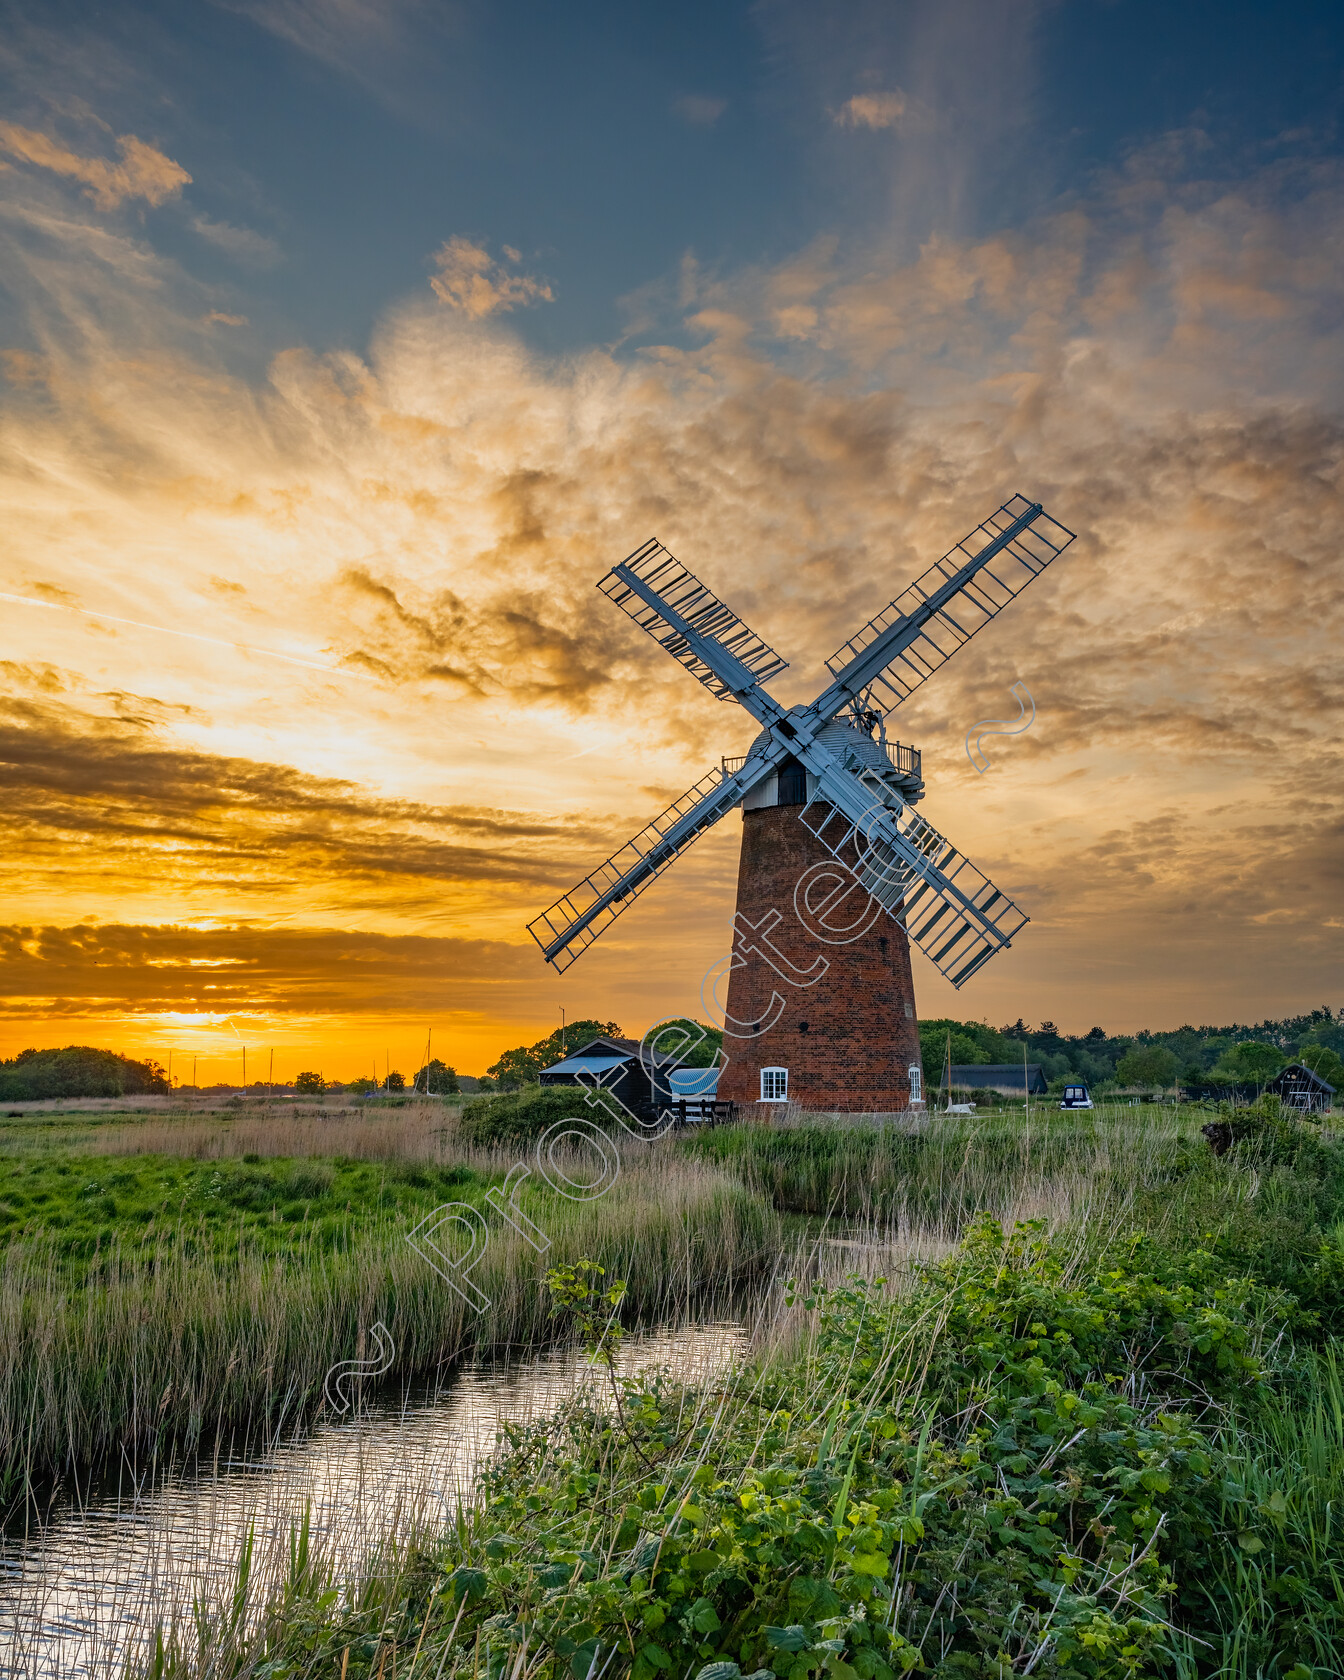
(91, 1206)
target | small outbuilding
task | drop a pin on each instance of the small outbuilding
(1011, 1079)
(623, 1065)
(687, 1093)
(1300, 1089)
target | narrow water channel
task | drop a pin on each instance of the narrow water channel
(81, 1592)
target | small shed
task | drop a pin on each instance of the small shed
(1009, 1078)
(617, 1063)
(1301, 1089)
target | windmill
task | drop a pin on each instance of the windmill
(829, 763)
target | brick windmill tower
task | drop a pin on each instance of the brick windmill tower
(838, 871)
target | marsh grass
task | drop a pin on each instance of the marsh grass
(416, 1132)
(178, 1342)
(863, 1200)
(188, 1332)
(931, 1173)
(809, 1199)
(1283, 1458)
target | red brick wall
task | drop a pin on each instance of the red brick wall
(848, 1038)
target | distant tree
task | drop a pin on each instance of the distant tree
(437, 1079)
(1097, 1035)
(698, 1048)
(395, 1082)
(485, 1083)
(310, 1082)
(1147, 1064)
(1331, 1034)
(934, 1051)
(516, 1068)
(523, 1065)
(1324, 1063)
(362, 1087)
(1092, 1070)
(79, 1070)
(1253, 1061)
(966, 1045)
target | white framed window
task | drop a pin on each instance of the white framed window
(916, 1082)
(774, 1084)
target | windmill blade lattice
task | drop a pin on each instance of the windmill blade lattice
(574, 921)
(957, 917)
(948, 907)
(954, 607)
(666, 577)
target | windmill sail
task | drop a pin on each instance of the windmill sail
(573, 922)
(948, 907)
(651, 570)
(925, 625)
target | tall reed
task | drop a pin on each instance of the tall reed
(933, 1172)
(180, 1341)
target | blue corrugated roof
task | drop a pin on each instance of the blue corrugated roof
(694, 1082)
(588, 1064)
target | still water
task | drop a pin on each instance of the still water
(81, 1592)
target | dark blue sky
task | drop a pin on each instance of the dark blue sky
(604, 141)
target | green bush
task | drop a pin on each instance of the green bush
(956, 1475)
(520, 1116)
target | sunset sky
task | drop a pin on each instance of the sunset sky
(347, 343)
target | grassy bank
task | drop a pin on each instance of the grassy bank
(934, 1172)
(1107, 1446)
(148, 1297)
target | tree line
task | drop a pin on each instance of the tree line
(1204, 1057)
(1201, 1057)
(79, 1070)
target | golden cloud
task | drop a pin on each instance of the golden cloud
(469, 279)
(143, 171)
(872, 110)
(435, 515)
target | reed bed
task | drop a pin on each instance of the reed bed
(417, 1132)
(177, 1344)
(173, 1342)
(931, 1173)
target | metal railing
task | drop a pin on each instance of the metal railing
(905, 760)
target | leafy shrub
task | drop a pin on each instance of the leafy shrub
(966, 1489)
(520, 1116)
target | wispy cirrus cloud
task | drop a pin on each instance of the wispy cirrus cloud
(243, 244)
(699, 109)
(872, 110)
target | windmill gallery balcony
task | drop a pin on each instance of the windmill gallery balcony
(905, 763)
